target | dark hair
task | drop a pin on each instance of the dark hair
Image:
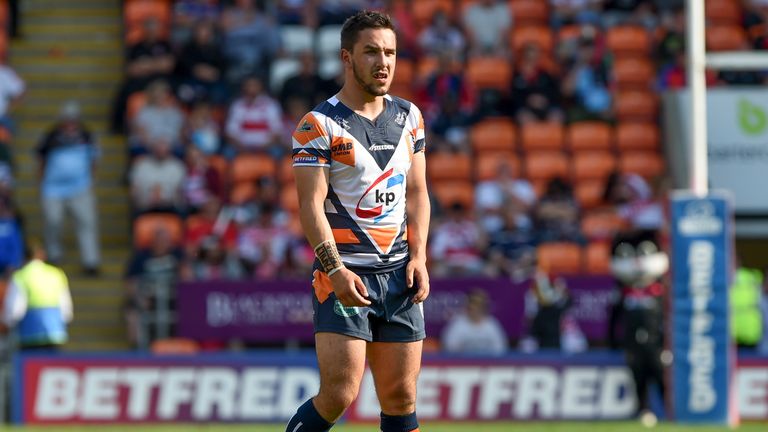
(361, 21)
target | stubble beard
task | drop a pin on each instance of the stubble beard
(369, 88)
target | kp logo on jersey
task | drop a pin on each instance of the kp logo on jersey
(381, 197)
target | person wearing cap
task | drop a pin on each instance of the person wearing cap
(67, 156)
(38, 303)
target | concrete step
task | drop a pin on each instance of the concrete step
(111, 158)
(89, 329)
(68, 68)
(83, 17)
(65, 28)
(33, 5)
(22, 63)
(29, 130)
(68, 12)
(35, 77)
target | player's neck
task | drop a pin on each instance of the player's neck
(361, 102)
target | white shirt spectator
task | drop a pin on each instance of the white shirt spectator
(492, 195)
(488, 25)
(157, 178)
(255, 125)
(11, 87)
(161, 123)
(463, 335)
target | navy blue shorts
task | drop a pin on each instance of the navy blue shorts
(391, 317)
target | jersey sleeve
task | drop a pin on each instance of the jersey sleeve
(419, 136)
(311, 143)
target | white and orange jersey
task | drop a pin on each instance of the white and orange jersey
(368, 163)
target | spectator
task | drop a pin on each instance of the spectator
(586, 83)
(556, 216)
(152, 268)
(255, 121)
(637, 205)
(457, 244)
(763, 347)
(295, 108)
(334, 12)
(535, 93)
(297, 12)
(67, 156)
(157, 180)
(546, 303)
(148, 60)
(406, 26)
(213, 262)
(12, 88)
(565, 12)
(11, 239)
(307, 84)
(202, 66)
(672, 43)
(38, 303)
(202, 181)
(475, 331)
(159, 120)
(745, 297)
(441, 37)
(202, 130)
(484, 21)
(450, 127)
(446, 82)
(504, 196)
(251, 40)
(186, 15)
(210, 223)
(511, 250)
(263, 245)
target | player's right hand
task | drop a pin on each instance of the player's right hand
(349, 288)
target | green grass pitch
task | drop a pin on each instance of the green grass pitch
(426, 427)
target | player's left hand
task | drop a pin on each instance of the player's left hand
(416, 271)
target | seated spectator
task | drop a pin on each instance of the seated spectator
(187, 13)
(511, 250)
(475, 331)
(251, 40)
(674, 75)
(156, 181)
(202, 181)
(457, 244)
(506, 193)
(630, 12)
(294, 110)
(446, 82)
(535, 93)
(565, 12)
(201, 67)
(441, 37)
(210, 223)
(148, 60)
(263, 245)
(546, 302)
(556, 216)
(67, 156)
(254, 122)
(450, 127)
(11, 239)
(12, 88)
(159, 120)
(637, 204)
(297, 12)
(150, 269)
(267, 197)
(586, 83)
(406, 28)
(484, 21)
(213, 262)
(307, 84)
(201, 129)
(672, 43)
(335, 12)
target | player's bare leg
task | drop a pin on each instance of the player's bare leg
(341, 360)
(395, 368)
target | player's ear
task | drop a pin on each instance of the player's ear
(346, 57)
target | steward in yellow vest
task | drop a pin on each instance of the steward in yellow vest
(746, 317)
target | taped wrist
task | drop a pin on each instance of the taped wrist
(329, 257)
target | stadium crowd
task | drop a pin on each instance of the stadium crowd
(542, 123)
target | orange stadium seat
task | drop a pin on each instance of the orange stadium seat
(723, 12)
(285, 171)
(250, 167)
(589, 193)
(560, 257)
(601, 224)
(593, 165)
(136, 11)
(529, 12)
(628, 40)
(546, 165)
(426, 66)
(633, 73)
(448, 193)
(289, 199)
(405, 73)
(447, 166)
(242, 192)
(644, 163)
(424, 10)
(494, 133)
(220, 164)
(637, 136)
(490, 73)
(636, 105)
(597, 258)
(542, 136)
(487, 164)
(589, 135)
(540, 36)
(569, 33)
(726, 38)
(145, 226)
(174, 346)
